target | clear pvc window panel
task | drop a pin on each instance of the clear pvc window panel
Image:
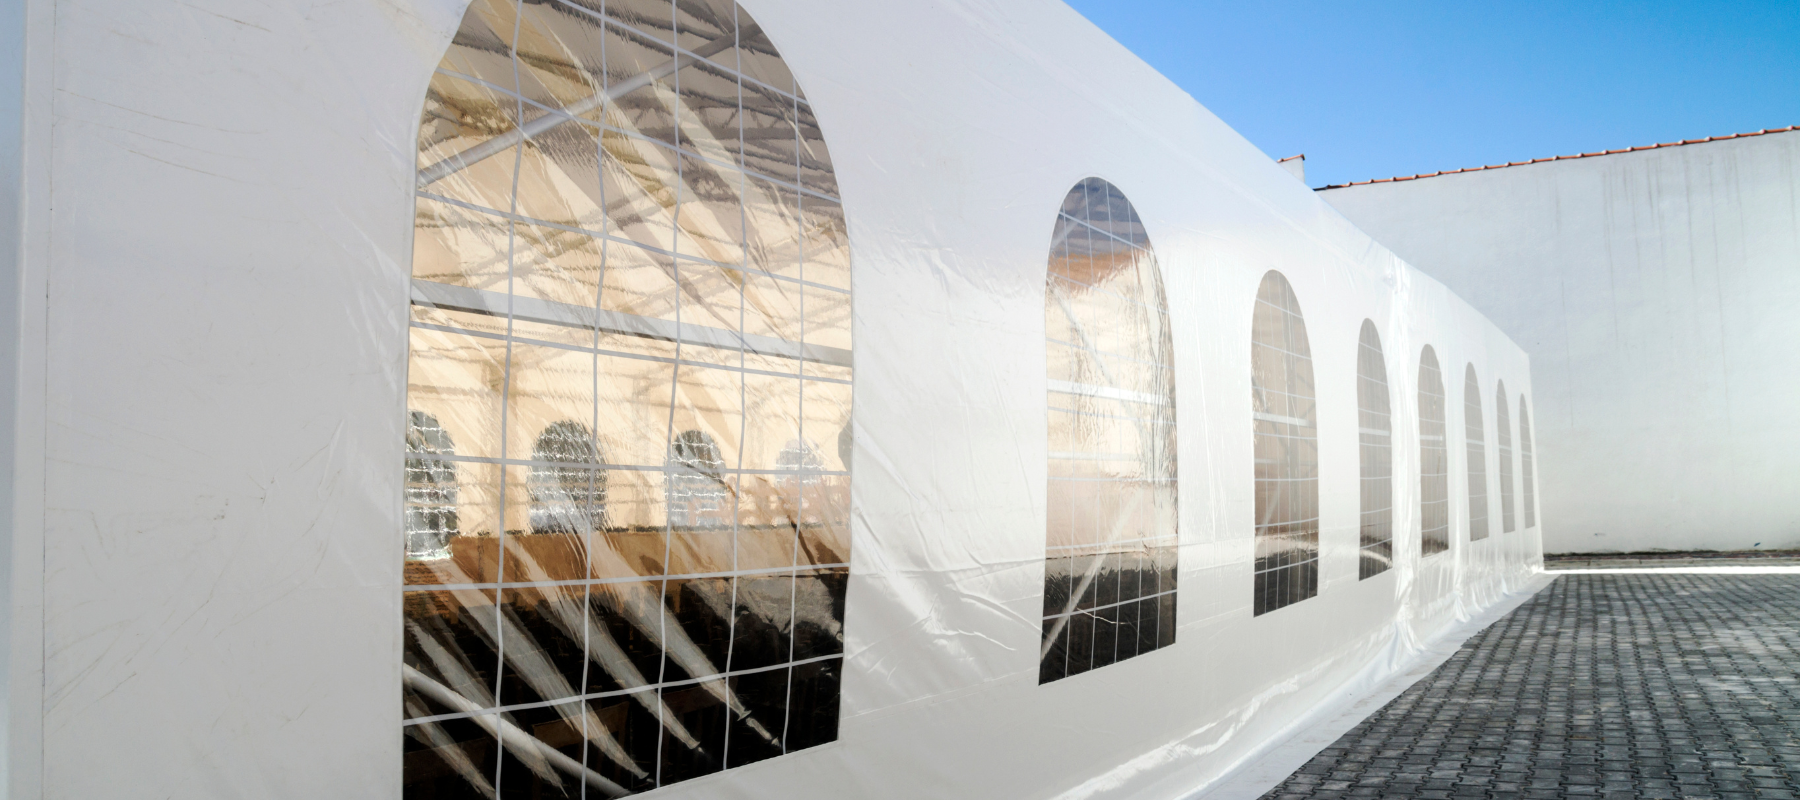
(1476, 443)
(1434, 458)
(629, 385)
(1285, 420)
(1527, 474)
(1504, 449)
(1110, 562)
(1375, 435)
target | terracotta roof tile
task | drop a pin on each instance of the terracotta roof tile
(1563, 158)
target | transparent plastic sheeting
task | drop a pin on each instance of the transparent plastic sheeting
(1110, 565)
(801, 399)
(628, 406)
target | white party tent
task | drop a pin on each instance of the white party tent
(794, 399)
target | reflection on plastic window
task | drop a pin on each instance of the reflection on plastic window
(1285, 415)
(566, 496)
(558, 176)
(1434, 459)
(430, 489)
(771, 131)
(1526, 474)
(461, 113)
(1503, 422)
(628, 440)
(1109, 573)
(482, 47)
(460, 246)
(1477, 450)
(1375, 432)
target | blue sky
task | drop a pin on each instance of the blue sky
(1371, 90)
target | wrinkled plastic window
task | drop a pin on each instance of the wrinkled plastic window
(1503, 444)
(629, 381)
(1375, 433)
(1526, 466)
(1434, 460)
(1287, 449)
(1477, 452)
(1109, 570)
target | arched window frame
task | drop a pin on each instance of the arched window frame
(1375, 434)
(1285, 423)
(627, 224)
(1503, 450)
(1434, 458)
(1475, 463)
(1112, 526)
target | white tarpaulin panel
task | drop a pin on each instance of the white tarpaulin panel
(567, 398)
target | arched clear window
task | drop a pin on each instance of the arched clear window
(567, 493)
(1527, 474)
(1287, 449)
(1375, 432)
(1434, 458)
(696, 490)
(1477, 452)
(430, 488)
(1503, 442)
(631, 301)
(1109, 569)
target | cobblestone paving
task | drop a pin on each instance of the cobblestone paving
(1605, 686)
(1730, 558)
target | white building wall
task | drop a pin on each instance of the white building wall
(1655, 291)
(214, 296)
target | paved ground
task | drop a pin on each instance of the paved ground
(1609, 686)
(1707, 558)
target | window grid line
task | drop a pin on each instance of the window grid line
(561, 112)
(583, 698)
(1124, 545)
(1111, 355)
(1119, 604)
(1088, 287)
(568, 119)
(598, 466)
(575, 348)
(573, 582)
(1106, 233)
(1074, 412)
(514, 216)
(606, 20)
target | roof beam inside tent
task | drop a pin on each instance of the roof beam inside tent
(481, 152)
(481, 301)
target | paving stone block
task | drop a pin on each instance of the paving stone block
(1663, 687)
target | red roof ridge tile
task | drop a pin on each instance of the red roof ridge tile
(1560, 158)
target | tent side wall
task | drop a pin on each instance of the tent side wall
(227, 222)
(1654, 292)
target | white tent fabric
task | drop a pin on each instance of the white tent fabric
(209, 532)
